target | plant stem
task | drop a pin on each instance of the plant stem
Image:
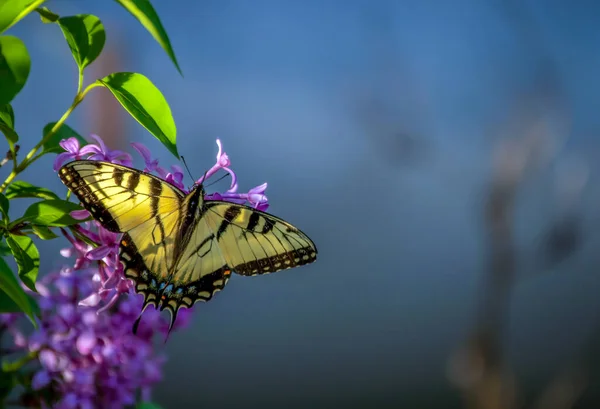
(80, 81)
(30, 158)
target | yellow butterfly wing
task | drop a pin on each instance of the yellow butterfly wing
(254, 242)
(230, 237)
(143, 206)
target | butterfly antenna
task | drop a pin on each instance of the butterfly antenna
(220, 179)
(186, 167)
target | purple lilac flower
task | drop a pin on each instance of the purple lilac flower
(89, 151)
(255, 197)
(90, 360)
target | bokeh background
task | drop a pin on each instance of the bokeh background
(443, 157)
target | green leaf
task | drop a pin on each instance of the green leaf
(4, 206)
(7, 115)
(140, 97)
(10, 285)
(27, 257)
(53, 213)
(7, 122)
(11, 11)
(147, 405)
(21, 188)
(143, 11)
(43, 232)
(7, 304)
(4, 249)
(85, 35)
(46, 15)
(64, 132)
(14, 67)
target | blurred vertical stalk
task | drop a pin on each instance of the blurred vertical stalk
(479, 369)
(104, 113)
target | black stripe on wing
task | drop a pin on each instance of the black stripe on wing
(90, 201)
(303, 249)
(164, 294)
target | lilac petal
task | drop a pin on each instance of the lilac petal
(70, 144)
(86, 342)
(68, 312)
(145, 152)
(49, 360)
(80, 214)
(120, 158)
(40, 379)
(70, 401)
(91, 301)
(63, 285)
(234, 185)
(124, 286)
(260, 189)
(152, 371)
(90, 149)
(100, 143)
(19, 339)
(220, 149)
(173, 180)
(98, 253)
(213, 196)
(177, 170)
(89, 318)
(37, 340)
(68, 252)
(162, 172)
(109, 304)
(257, 198)
(107, 237)
(97, 156)
(61, 159)
(86, 404)
(87, 233)
(126, 160)
(262, 207)
(222, 158)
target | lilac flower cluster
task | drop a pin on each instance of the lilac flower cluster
(88, 360)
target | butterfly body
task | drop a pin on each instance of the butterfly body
(179, 248)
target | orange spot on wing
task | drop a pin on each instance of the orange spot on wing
(227, 272)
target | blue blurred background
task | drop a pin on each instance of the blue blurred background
(377, 126)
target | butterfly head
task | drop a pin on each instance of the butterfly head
(198, 188)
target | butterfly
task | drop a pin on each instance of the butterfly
(179, 248)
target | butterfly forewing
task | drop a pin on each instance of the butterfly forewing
(255, 242)
(118, 197)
